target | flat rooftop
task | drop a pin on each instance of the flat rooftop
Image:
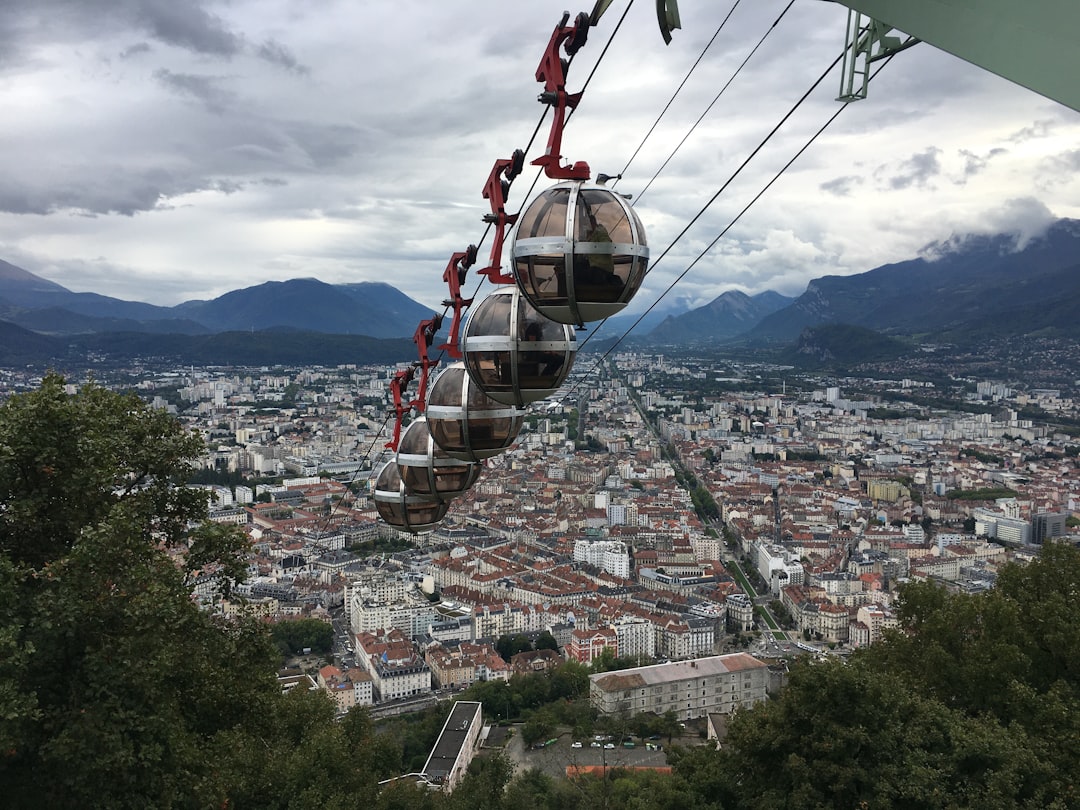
(451, 740)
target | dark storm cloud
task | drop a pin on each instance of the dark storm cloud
(974, 164)
(14, 29)
(917, 170)
(1039, 129)
(100, 190)
(206, 89)
(277, 54)
(1066, 162)
(184, 24)
(1057, 170)
(326, 145)
(841, 186)
(135, 50)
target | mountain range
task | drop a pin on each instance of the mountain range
(961, 290)
(306, 304)
(726, 316)
(965, 286)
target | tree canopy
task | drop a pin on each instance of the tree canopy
(293, 636)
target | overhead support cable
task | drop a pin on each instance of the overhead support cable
(733, 221)
(678, 89)
(727, 84)
(366, 457)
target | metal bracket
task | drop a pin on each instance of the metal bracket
(423, 337)
(866, 41)
(398, 385)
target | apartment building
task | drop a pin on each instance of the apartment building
(691, 689)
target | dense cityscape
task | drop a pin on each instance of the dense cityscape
(661, 511)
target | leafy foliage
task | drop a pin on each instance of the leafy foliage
(985, 494)
(67, 461)
(975, 703)
(296, 635)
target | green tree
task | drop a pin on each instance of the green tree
(295, 635)
(533, 789)
(570, 680)
(546, 641)
(508, 646)
(116, 690)
(67, 461)
(130, 682)
(483, 785)
(973, 703)
(536, 729)
(848, 736)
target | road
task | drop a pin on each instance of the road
(760, 602)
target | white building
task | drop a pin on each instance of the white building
(777, 567)
(637, 637)
(396, 670)
(608, 555)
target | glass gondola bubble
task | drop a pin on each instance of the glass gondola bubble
(579, 253)
(513, 353)
(404, 511)
(465, 422)
(427, 470)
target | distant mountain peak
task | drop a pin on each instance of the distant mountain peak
(729, 314)
(375, 309)
(961, 283)
(12, 275)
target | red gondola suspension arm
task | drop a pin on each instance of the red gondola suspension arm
(454, 276)
(552, 72)
(495, 191)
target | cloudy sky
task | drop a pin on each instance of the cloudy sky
(165, 150)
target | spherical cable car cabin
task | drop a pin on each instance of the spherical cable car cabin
(425, 468)
(579, 252)
(401, 509)
(465, 422)
(513, 353)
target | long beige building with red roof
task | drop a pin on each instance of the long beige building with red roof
(695, 688)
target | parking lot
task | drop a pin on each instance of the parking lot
(554, 759)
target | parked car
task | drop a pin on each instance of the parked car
(575, 744)
(594, 744)
(609, 745)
